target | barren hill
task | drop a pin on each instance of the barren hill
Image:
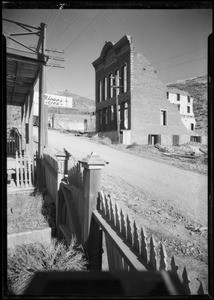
(80, 103)
(197, 88)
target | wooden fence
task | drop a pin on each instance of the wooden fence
(128, 246)
(85, 211)
(24, 170)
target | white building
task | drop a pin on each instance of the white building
(52, 101)
(184, 104)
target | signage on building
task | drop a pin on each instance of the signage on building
(52, 101)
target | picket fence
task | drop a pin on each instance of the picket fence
(85, 211)
(136, 250)
(24, 166)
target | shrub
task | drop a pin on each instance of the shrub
(25, 260)
(133, 145)
(105, 141)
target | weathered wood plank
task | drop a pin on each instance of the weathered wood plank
(153, 254)
(143, 244)
(123, 249)
(163, 257)
(66, 232)
(186, 281)
(129, 230)
(29, 170)
(112, 212)
(136, 243)
(72, 213)
(17, 170)
(123, 223)
(21, 169)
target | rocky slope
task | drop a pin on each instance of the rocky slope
(197, 88)
(80, 103)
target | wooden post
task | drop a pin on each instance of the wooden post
(62, 171)
(92, 165)
(41, 94)
(23, 127)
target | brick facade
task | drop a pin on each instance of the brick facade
(144, 109)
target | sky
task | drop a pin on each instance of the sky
(174, 41)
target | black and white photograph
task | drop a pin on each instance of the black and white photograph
(108, 149)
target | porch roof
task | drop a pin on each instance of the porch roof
(22, 71)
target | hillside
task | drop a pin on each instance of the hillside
(197, 88)
(80, 103)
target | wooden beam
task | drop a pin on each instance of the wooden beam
(16, 80)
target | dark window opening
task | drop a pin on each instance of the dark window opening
(175, 140)
(196, 139)
(154, 139)
(178, 97)
(163, 117)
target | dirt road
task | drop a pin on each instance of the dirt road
(185, 191)
(169, 202)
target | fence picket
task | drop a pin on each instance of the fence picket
(163, 256)
(123, 224)
(112, 212)
(29, 170)
(21, 169)
(136, 243)
(153, 254)
(117, 219)
(200, 289)
(129, 230)
(17, 170)
(102, 204)
(25, 170)
(186, 281)
(107, 207)
(110, 255)
(143, 245)
(174, 268)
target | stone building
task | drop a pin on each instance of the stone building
(145, 115)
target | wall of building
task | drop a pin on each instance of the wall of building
(184, 103)
(148, 99)
(72, 122)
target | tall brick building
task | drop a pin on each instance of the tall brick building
(145, 115)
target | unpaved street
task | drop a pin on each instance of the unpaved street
(171, 203)
(185, 191)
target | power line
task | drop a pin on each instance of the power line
(182, 63)
(91, 33)
(176, 56)
(89, 26)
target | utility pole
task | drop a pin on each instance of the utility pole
(41, 94)
(116, 86)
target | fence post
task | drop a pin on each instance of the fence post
(92, 165)
(62, 163)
